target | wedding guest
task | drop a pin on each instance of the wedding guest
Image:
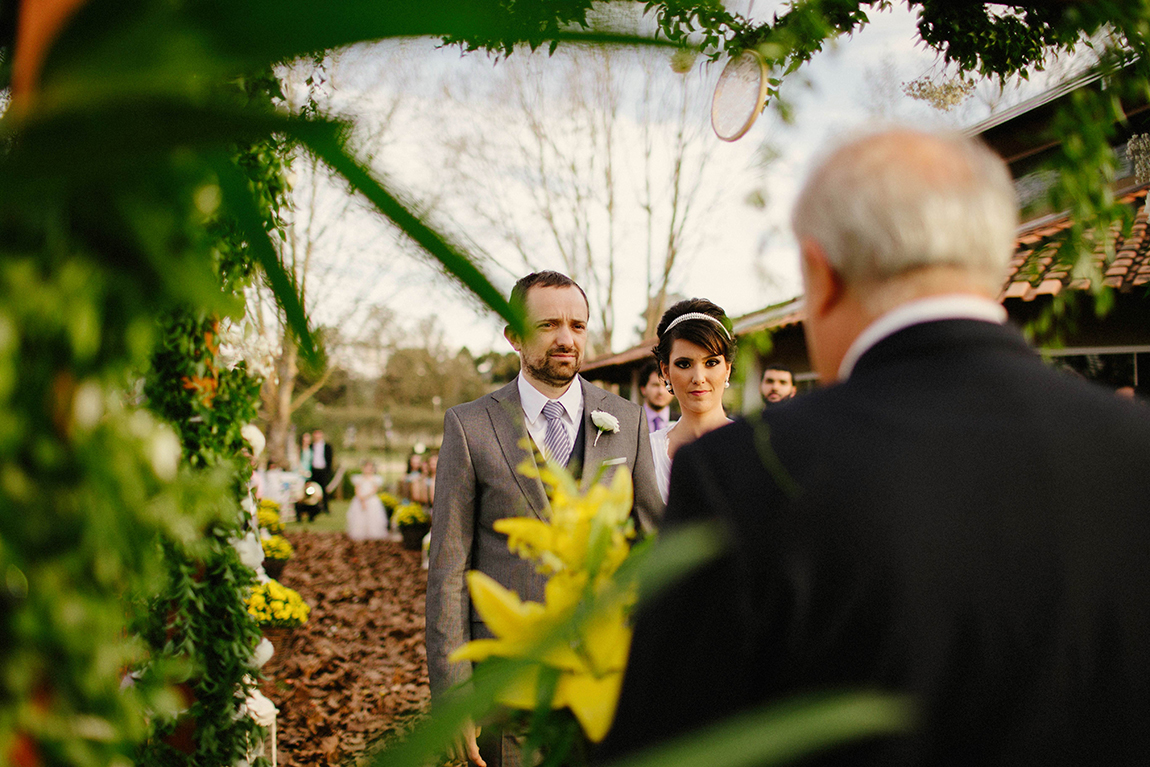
(777, 385)
(305, 455)
(432, 465)
(412, 478)
(694, 354)
(656, 398)
(366, 517)
(418, 487)
(322, 466)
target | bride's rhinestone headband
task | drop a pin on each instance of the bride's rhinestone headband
(697, 316)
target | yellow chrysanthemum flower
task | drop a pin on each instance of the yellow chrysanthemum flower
(273, 604)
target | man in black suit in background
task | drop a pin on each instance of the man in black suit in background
(322, 468)
(947, 518)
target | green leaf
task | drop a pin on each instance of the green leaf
(324, 140)
(240, 204)
(784, 733)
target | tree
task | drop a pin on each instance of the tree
(994, 40)
(341, 259)
(609, 139)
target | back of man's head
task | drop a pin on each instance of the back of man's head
(891, 205)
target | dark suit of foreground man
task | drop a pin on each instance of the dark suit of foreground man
(949, 518)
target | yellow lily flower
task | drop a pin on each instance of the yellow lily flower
(579, 548)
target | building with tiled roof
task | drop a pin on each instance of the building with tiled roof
(1104, 335)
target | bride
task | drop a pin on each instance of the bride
(694, 353)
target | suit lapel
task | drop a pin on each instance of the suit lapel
(506, 413)
(594, 450)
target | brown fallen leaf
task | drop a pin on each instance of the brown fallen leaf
(356, 673)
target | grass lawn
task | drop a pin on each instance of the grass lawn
(335, 522)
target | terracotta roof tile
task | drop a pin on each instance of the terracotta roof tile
(1016, 289)
(1035, 270)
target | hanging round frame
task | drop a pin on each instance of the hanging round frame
(739, 95)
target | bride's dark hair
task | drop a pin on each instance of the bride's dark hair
(715, 337)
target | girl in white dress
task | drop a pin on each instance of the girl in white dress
(695, 351)
(366, 519)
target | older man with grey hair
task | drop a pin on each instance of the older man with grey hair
(947, 519)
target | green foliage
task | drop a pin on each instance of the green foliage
(198, 622)
(530, 23)
(85, 480)
(206, 403)
(414, 377)
(200, 627)
(999, 43)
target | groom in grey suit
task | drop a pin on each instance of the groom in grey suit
(478, 481)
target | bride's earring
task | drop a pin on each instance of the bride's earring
(727, 385)
(668, 385)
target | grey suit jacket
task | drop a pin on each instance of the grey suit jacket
(477, 483)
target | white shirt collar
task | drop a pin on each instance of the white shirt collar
(959, 306)
(533, 400)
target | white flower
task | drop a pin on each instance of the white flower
(263, 653)
(254, 437)
(260, 709)
(250, 549)
(165, 453)
(604, 422)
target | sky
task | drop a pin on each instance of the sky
(745, 259)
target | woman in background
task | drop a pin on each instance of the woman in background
(694, 352)
(305, 455)
(412, 478)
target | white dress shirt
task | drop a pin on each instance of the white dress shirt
(959, 306)
(533, 401)
(318, 455)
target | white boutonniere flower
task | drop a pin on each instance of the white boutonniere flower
(604, 422)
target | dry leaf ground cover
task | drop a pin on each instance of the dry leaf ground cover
(356, 672)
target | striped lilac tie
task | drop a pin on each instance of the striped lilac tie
(556, 440)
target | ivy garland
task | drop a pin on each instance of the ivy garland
(199, 622)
